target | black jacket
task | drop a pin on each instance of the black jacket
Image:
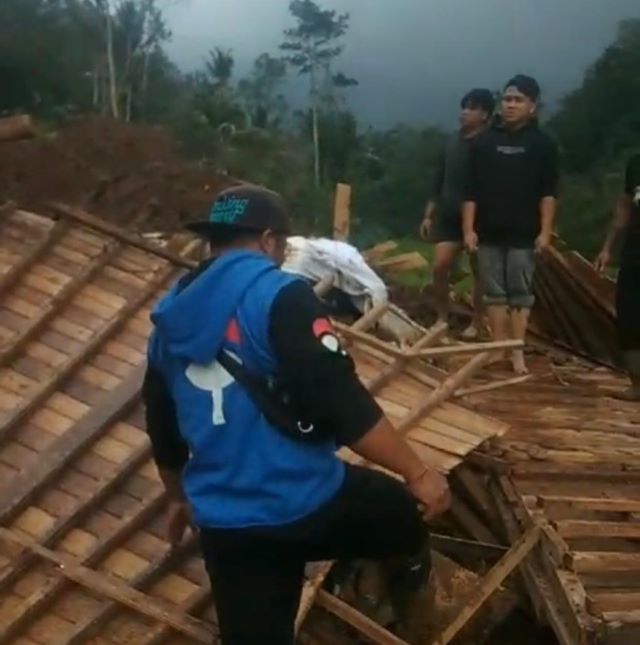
(508, 175)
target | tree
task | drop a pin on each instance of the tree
(219, 68)
(312, 46)
(264, 104)
(601, 120)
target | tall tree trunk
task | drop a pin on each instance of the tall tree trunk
(95, 77)
(315, 127)
(111, 64)
(144, 85)
(129, 103)
(316, 145)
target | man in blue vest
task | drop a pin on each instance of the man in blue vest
(265, 501)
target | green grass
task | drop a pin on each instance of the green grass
(420, 277)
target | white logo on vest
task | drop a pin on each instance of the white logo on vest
(212, 378)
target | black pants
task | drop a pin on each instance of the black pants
(257, 574)
(628, 306)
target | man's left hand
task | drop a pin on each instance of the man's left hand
(178, 519)
(543, 243)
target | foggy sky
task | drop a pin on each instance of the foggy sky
(414, 59)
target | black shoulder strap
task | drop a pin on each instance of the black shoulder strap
(266, 401)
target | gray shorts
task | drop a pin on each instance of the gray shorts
(507, 276)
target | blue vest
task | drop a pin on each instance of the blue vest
(241, 472)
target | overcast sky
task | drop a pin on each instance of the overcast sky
(414, 59)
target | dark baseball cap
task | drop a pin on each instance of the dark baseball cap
(244, 209)
(525, 84)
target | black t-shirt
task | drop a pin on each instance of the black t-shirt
(449, 181)
(320, 376)
(631, 247)
(510, 172)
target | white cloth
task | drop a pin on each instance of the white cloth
(318, 258)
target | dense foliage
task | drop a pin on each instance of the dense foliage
(60, 58)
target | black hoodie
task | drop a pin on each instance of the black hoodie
(509, 173)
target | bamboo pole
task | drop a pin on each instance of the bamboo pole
(341, 213)
(432, 335)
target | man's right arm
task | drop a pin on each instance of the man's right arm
(436, 193)
(323, 380)
(470, 203)
(170, 452)
(619, 221)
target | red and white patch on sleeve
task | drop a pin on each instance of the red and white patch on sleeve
(324, 331)
(232, 334)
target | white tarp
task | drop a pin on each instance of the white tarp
(319, 258)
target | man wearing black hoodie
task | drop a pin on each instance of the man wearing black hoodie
(509, 209)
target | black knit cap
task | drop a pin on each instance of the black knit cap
(525, 84)
(244, 209)
(479, 98)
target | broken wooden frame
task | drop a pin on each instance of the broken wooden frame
(100, 418)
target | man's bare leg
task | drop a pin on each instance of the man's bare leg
(519, 322)
(498, 316)
(477, 294)
(444, 259)
(632, 360)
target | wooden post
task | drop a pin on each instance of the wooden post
(364, 625)
(13, 128)
(341, 213)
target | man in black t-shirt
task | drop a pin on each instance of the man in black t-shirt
(442, 223)
(266, 502)
(509, 209)
(626, 225)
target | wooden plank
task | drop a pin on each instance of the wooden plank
(433, 352)
(465, 348)
(93, 622)
(445, 390)
(26, 261)
(607, 601)
(402, 262)
(310, 590)
(115, 590)
(489, 584)
(572, 529)
(39, 601)
(379, 250)
(494, 385)
(45, 389)
(118, 233)
(605, 561)
(456, 548)
(543, 596)
(468, 520)
(160, 633)
(105, 488)
(342, 213)
(589, 504)
(54, 307)
(24, 488)
(367, 627)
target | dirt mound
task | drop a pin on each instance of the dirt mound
(112, 169)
